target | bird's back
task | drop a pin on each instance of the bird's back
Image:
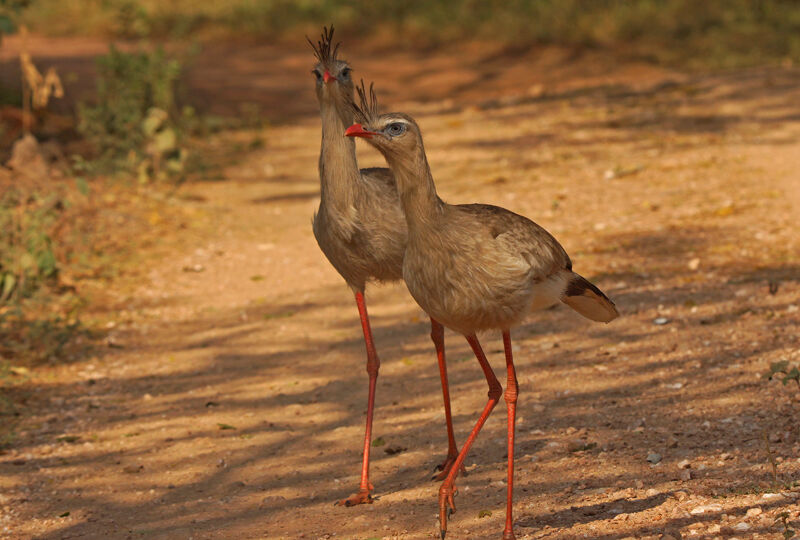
(483, 267)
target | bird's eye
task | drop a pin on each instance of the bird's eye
(317, 74)
(396, 128)
(345, 73)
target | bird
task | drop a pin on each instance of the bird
(360, 229)
(473, 268)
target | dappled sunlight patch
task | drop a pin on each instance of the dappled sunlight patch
(232, 405)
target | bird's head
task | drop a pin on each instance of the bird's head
(331, 73)
(395, 135)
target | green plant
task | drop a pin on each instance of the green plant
(10, 11)
(785, 371)
(9, 14)
(42, 338)
(163, 156)
(129, 87)
(27, 259)
(713, 32)
(788, 532)
(41, 233)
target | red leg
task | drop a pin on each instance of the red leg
(373, 363)
(512, 391)
(447, 491)
(437, 335)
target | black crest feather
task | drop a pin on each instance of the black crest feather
(367, 110)
(324, 50)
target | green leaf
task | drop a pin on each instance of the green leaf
(26, 261)
(7, 25)
(154, 120)
(9, 280)
(777, 367)
(484, 513)
(165, 140)
(378, 442)
(82, 185)
(65, 514)
(225, 426)
(46, 261)
(278, 315)
(175, 164)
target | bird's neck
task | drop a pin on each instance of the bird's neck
(338, 167)
(421, 205)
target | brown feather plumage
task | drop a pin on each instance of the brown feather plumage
(473, 267)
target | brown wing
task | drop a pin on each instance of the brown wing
(522, 237)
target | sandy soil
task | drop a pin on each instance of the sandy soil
(231, 402)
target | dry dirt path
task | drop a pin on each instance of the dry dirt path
(232, 405)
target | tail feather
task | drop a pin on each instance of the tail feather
(585, 298)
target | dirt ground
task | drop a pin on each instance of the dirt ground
(231, 399)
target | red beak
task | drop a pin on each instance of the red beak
(327, 77)
(356, 130)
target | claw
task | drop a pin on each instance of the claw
(447, 506)
(445, 467)
(362, 497)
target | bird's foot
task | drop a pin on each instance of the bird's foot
(362, 497)
(445, 467)
(447, 505)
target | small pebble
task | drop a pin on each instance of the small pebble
(654, 457)
(753, 512)
(576, 445)
(684, 464)
(680, 513)
(697, 510)
(741, 526)
(672, 442)
(660, 321)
